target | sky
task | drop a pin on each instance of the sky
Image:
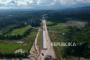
(41, 3)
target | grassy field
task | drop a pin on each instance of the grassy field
(14, 32)
(7, 48)
(59, 27)
(19, 31)
(10, 48)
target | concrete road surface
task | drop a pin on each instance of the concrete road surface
(47, 48)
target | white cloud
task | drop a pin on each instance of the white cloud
(4, 1)
(30, 3)
(67, 2)
(38, 2)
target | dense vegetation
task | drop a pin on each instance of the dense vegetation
(55, 32)
(61, 32)
(17, 25)
(81, 38)
(17, 31)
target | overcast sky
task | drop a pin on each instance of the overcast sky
(41, 3)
